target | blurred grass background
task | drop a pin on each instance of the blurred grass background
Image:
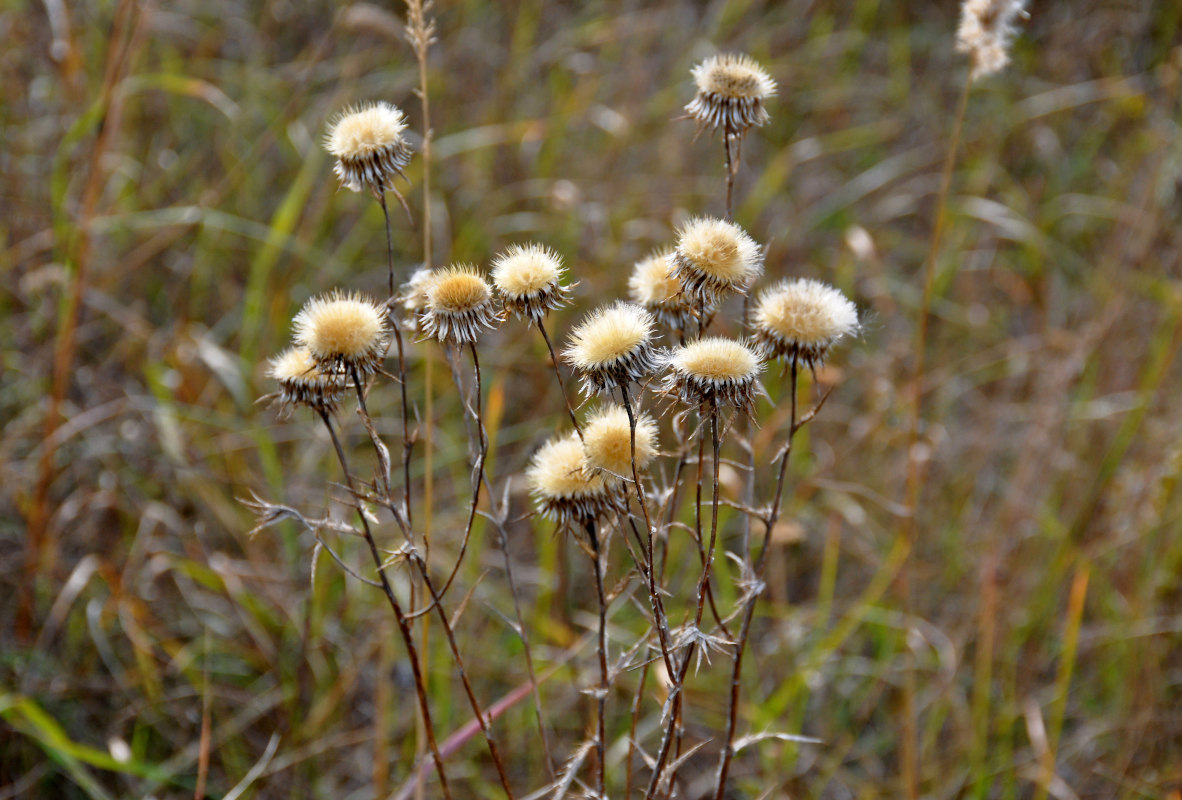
(169, 154)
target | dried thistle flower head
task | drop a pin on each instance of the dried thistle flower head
(714, 371)
(801, 319)
(459, 304)
(612, 347)
(303, 383)
(414, 296)
(343, 332)
(607, 441)
(732, 90)
(369, 147)
(528, 280)
(714, 256)
(655, 286)
(986, 29)
(564, 490)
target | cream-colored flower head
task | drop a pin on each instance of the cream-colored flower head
(654, 285)
(714, 256)
(529, 280)
(714, 371)
(369, 146)
(414, 296)
(564, 490)
(801, 319)
(607, 441)
(732, 90)
(986, 29)
(343, 332)
(459, 305)
(303, 383)
(612, 347)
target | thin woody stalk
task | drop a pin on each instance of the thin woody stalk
(601, 695)
(558, 374)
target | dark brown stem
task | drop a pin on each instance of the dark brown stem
(403, 625)
(478, 477)
(601, 695)
(408, 442)
(558, 373)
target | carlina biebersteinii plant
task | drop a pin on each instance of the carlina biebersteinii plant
(714, 257)
(370, 148)
(343, 333)
(529, 280)
(654, 285)
(799, 320)
(607, 441)
(714, 372)
(986, 29)
(564, 490)
(613, 347)
(732, 90)
(459, 304)
(302, 382)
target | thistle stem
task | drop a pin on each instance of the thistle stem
(558, 374)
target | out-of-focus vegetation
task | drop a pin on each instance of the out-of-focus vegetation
(161, 165)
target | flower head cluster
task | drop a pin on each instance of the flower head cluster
(731, 93)
(303, 383)
(801, 319)
(607, 441)
(654, 285)
(459, 304)
(985, 31)
(612, 347)
(369, 147)
(529, 280)
(714, 256)
(564, 490)
(714, 371)
(343, 333)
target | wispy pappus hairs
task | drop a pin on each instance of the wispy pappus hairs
(459, 305)
(732, 90)
(343, 332)
(654, 286)
(303, 383)
(986, 30)
(529, 280)
(714, 257)
(801, 318)
(564, 490)
(607, 441)
(714, 371)
(612, 347)
(369, 146)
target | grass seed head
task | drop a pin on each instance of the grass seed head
(714, 256)
(607, 441)
(459, 304)
(528, 279)
(564, 490)
(714, 371)
(612, 347)
(369, 146)
(986, 29)
(303, 383)
(732, 91)
(343, 332)
(801, 318)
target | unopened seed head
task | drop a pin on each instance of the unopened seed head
(343, 332)
(714, 370)
(303, 382)
(714, 256)
(563, 488)
(458, 304)
(732, 91)
(369, 146)
(802, 319)
(607, 441)
(529, 280)
(612, 347)
(986, 30)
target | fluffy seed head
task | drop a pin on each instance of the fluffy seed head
(458, 305)
(528, 280)
(714, 256)
(986, 29)
(714, 371)
(343, 332)
(801, 318)
(655, 286)
(564, 490)
(414, 296)
(612, 347)
(369, 146)
(303, 383)
(607, 441)
(731, 93)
